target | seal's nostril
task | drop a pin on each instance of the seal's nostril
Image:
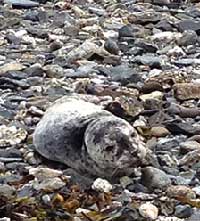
(109, 148)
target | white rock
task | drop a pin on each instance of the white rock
(43, 173)
(140, 122)
(5, 219)
(168, 35)
(111, 34)
(50, 184)
(21, 33)
(81, 210)
(46, 199)
(157, 95)
(12, 66)
(172, 218)
(176, 51)
(77, 219)
(101, 185)
(148, 210)
(29, 40)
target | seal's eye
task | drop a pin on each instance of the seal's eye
(109, 148)
(133, 134)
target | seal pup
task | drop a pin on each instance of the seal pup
(88, 139)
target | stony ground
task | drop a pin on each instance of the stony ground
(141, 60)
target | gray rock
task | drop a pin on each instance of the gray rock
(187, 62)
(50, 184)
(148, 59)
(2, 167)
(146, 46)
(189, 24)
(53, 71)
(124, 74)
(7, 191)
(10, 153)
(35, 70)
(189, 37)
(126, 31)
(155, 178)
(22, 3)
(183, 211)
(111, 46)
(164, 25)
(188, 146)
(97, 11)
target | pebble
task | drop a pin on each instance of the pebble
(159, 131)
(5, 219)
(12, 66)
(22, 3)
(188, 146)
(43, 173)
(155, 178)
(49, 184)
(186, 91)
(183, 211)
(101, 185)
(157, 95)
(7, 191)
(149, 211)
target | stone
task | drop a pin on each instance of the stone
(186, 91)
(111, 46)
(7, 191)
(180, 192)
(53, 71)
(183, 211)
(2, 167)
(5, 219)
(187, 62)
(10, 153)
(189, 24)
(22, 3)
(43, 173)
(155, 95)
(155, 178)
(146, 46)
(189, 37)
(159, 131)
(124, 74)
(147, 59)
(170, 218)
(49, 184)
(11, 135)
(101, 185)
(149, 211)
(12, 66)
(164, 25)
(188, 146)
(126, 31)
(85, 50)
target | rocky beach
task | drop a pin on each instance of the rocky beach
(137, 62)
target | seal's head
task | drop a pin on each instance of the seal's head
(113, 143)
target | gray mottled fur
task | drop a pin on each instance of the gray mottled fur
(87, 138)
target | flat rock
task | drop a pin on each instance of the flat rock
(7, 191)
(22, 3)
(149, 211)
(186, 91)
(150, 60)
(189, 24)
(155, 178)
